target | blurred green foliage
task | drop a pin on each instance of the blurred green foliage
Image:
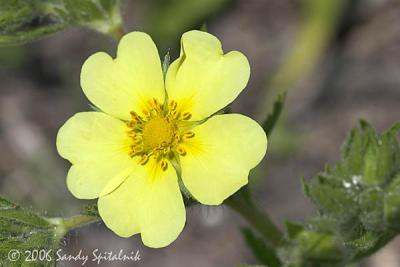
(263, 252)
(168, 19)
(318, 23)
(27, 20)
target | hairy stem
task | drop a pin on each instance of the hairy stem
(259, 220)
(63, 225)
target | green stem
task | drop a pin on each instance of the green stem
(78, 221)
(64, 225)
(260, 221)
(117, 32)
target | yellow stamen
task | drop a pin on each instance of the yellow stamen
(146, 112)
(157, 105)
(164, 164)
(130, 124)
(189, 134)
(167, 150)
(130, 133)
(181, 151)
(138, 139)
(143, 160)
(175, 114)
(172, 105)
(186, 115)
(134, 115)
(138, 148)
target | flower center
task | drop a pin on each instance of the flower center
(158, 132)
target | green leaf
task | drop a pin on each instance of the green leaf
(264, 253)
(392, 205)
(28, 20)
(358, 201)
(371, 206)
(320, 247)
(272, 118)
(352, 152)
(22, 230)
(90, 210)
(293, 229)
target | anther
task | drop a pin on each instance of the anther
(156, 155)
(175, 114)
(181, 151)
(138, 139)
(157, 104)
(143, 160)
(150, 103)
(189, 134)
(167, 150)
(172, 105)
(177, 137)
(130, 133)
(138, 148)
(186, 115)
(164, 164)
(130, 124)
(134, 115)
(146, 112)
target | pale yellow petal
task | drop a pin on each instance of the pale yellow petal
(203, 79)
(97, 146)
(148, 202)
(220, 155)
(126, 83)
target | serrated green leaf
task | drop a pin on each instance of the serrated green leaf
(330, 199)
(352, 152)
(370, 161)
(320, 247)
(392, 205)
(23, 216)
(90, 210)
(264, 253)
(359, 199)
(27, 20)
(371, 205)
(6, 203)
(293, 229)
(22, 230)
(384, 154)
(364, 242)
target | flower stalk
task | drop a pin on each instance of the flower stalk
(260, 221)
(63, 225)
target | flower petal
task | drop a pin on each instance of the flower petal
(124, 84)
(220, 155)
(149, 202)
(204, 80)
(97, 146)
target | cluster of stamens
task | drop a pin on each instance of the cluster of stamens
(159, 133)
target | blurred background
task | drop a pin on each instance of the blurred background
(339, 61)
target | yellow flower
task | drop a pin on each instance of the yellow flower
(154, 137)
